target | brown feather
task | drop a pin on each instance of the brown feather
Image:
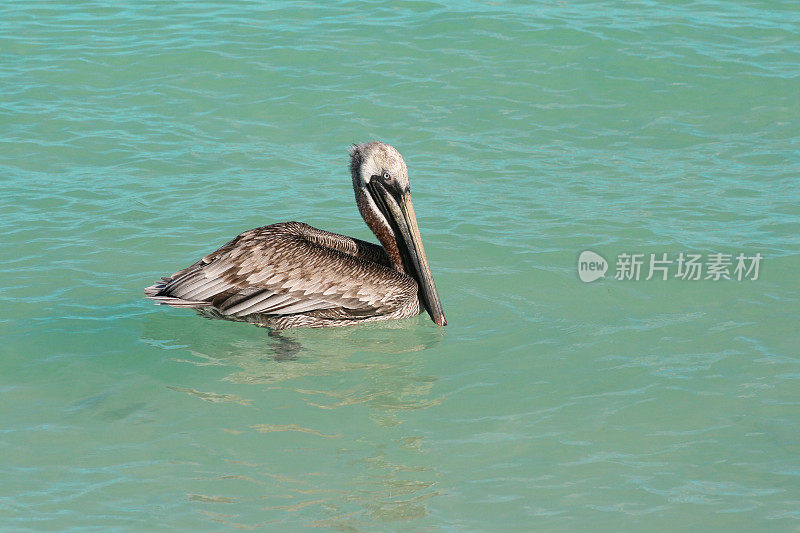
(287, 274)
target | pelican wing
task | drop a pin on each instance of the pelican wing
(279, 270)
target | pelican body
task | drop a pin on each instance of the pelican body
(291, 275)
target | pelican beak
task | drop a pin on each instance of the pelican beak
(399, 210)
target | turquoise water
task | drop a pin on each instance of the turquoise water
(136, 137)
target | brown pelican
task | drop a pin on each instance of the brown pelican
(291, 275)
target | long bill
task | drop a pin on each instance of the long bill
(400, 210)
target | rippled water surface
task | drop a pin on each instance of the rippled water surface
(136, 137)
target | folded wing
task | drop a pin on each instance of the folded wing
(279, 270)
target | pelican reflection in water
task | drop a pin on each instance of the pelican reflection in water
(291, 275)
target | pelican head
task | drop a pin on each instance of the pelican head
(383, 195)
